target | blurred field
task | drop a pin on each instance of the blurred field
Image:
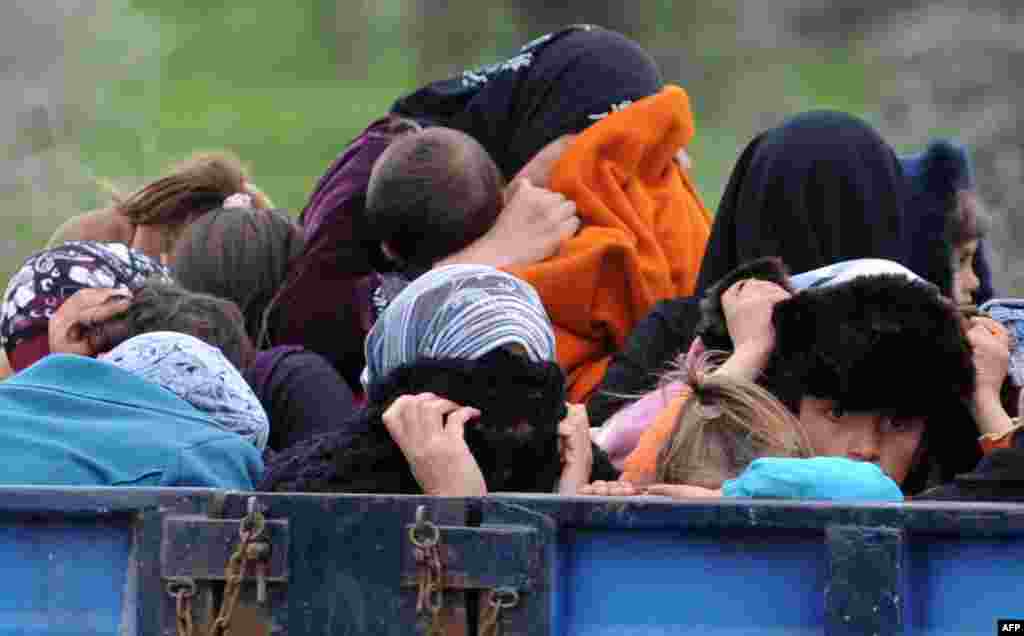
(136, 85)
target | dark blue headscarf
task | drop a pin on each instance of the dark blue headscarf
(933, 179)
(555, 85)
(821, 188)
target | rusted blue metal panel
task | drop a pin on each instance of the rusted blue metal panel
(96, 561)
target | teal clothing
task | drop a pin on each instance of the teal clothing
(74, 421)
(832, 478)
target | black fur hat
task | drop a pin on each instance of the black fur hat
(514, 442)
(712, 328)
(874, 343)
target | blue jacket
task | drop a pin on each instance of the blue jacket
(74, 421)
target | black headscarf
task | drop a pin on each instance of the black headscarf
(557, 84)
(821, 188)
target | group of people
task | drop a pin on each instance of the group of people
(509, 283)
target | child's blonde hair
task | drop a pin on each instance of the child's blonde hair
(725, 424)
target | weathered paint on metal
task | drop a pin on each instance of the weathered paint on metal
(865, 591)
(63, 576)
(198, 547)
(592, 565)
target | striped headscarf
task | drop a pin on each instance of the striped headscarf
(458, 311)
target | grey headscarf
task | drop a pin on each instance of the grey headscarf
(199, 374)
(458, 311)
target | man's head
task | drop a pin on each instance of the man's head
(432, 193)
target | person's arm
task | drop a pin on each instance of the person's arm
(5, 366)
(529, 229)
(990, 352)
(748, 305)
(576, 450)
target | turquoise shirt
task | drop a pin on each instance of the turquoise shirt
(832, 478)
(74, 421)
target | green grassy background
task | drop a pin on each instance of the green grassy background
(286, 85)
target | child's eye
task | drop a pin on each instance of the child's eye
(836, 413)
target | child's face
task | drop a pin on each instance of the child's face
(965, 281)
(891, 443)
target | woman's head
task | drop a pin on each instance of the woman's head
(198, 373)
(514, 441)
(432, 193)
(192, 189)
(821, 188)
(242, 255)
(725, 425)
(48, 278)
(167, 307)
(458, 311)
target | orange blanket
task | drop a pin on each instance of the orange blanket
(642, 238)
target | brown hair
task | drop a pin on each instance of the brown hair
(193, 188)
(432, 193)
(725, 425)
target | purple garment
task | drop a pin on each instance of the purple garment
(326, 303)
(303, 396)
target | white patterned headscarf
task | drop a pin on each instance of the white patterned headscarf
(199, 374)
(458, 311)
(845, 271)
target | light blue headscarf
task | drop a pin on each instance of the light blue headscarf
(458, 311)
(199, 374)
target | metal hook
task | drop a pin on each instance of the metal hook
(424, 534)
(181, 585)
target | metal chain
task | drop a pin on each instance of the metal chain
(498, 599)
(249, 530)
(182, 591)
(426, 539)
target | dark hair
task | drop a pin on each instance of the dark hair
(163, 306)
(968, 220)
(514, 442)
(242, 255)
(430, 194)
